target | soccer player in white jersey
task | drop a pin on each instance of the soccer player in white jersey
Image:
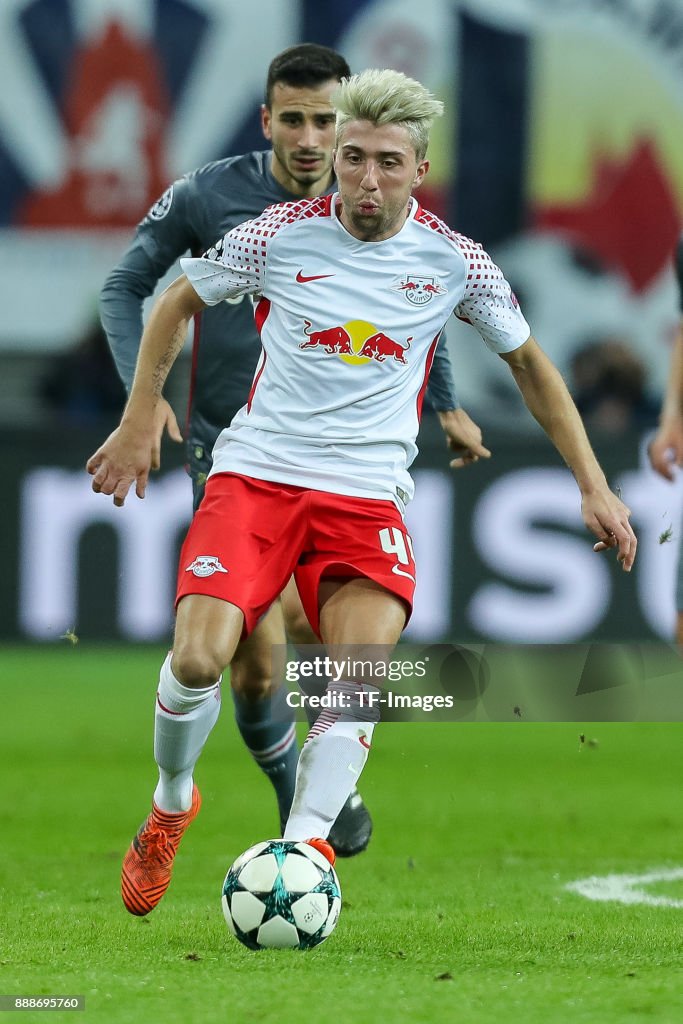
(198, 208)
(312, 474)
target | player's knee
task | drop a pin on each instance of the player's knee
(251, 675)
(192, 667)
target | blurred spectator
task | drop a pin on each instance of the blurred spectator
(82, 386)
(609, 386)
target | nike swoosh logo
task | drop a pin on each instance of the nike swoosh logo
(401, 572)
(313, 277)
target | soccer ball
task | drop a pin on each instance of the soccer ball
(281, 895)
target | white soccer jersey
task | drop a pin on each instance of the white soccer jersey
(348, 330)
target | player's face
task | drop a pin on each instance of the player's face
(377, 169)
(300, 127)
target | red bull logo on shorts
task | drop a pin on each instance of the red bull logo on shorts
(418, 290)
(356, 342)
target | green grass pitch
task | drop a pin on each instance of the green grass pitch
(457, 912)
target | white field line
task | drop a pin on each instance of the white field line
(628, 888)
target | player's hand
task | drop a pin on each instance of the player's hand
(607, 517)
(124, 458)
(666, 448)
(464, 437)
(164, 419)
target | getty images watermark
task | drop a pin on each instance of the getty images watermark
(488, 682)
(379, 673)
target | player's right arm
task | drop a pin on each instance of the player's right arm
(666, 448)
(236, 265)
(128, 453)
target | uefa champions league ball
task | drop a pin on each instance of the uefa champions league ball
(281, 895)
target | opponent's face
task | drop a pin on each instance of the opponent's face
(300, 127)
(377, 169)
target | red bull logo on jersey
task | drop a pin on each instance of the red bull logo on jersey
(331, 339)
(356, 342)
(418, 290)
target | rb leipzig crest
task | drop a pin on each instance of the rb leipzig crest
(418, 290)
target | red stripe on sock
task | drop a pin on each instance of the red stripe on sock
(168, 710)
(322, 724)
(272, 754)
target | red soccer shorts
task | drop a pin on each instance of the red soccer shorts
(248, 537)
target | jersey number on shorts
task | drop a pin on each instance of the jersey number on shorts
(394, 542)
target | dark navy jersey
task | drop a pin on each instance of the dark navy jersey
(191, 216)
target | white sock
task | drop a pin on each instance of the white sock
(330, 763)
(183, 719)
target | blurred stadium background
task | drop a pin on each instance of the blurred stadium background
(561, 151)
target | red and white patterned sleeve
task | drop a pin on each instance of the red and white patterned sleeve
(489, 304)
(236, 264)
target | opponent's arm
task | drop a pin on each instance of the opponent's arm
(160, 238)
(131, 281)
(463, 436)
(547, 398)
(128, 453)
(441, 393)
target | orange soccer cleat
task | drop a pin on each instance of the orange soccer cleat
(147, 866)
(322, 846)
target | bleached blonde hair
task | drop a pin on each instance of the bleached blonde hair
(387, 97)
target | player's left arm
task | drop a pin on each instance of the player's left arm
(547, 398)
(666, 448)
